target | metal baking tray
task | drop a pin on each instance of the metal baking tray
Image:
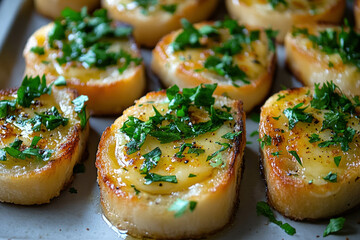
(78, 216)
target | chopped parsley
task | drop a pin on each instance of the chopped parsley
(224, 66)
(7, 106)
(153, 177)
(170, 8)
(296, 156)
(331, 177)
(80, 109)
(191, 175)
(231, 135)
(276, 154)
(180, 206)
(297, 114)
(314, 138)
(224, 146)
(32, 151)
(189, 37)
(60, 81)
(337, 160)
(344, 42)
(151, 160)
(262, 208)
(275, 3)
(271, 36)
(191, 149)
(51, 119)
(335, 225)
(87, 39)
(135, 189)
(254, 133)
(30, 89)
(265, 141)
(38, 50)
(178, 122)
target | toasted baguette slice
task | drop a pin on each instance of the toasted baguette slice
(312, 65)
(153, 22)
(146, 210)
(301, 192)
(34, 180)
(186, 68)
(109, 91)
(260, 13)
(53, 8)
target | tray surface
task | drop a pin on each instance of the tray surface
(78, 216)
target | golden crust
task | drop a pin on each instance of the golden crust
(52, 8)
(182, 73)
(40, 185)
(311, 65)
(298, 192)
(109, 92)
(357, 13)
(148, 29)
(260, 16)
(141, 217)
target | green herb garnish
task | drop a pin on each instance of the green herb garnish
(180, 206)
(30, 89)
(331, 177)
(153, 177)
(262, 208)
(80, 109)
(151, 160)
(297, 114)
(296, 156)
(335, 225)
(38, 50)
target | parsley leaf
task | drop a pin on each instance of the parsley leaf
(135, 189)
(80, 108)
(314, 138)
(262, 208)
(271, 36)
(170, 8)
(335, 225)
(265, 141)
(337, 160)
(294, 153)
(297, 114)
(60, 81)
(231, 135)
(7, 106)
(51, 119)
(192, 149)
(151, 160)
(275, 3)
(153, 177)
(180, 206)
(30, 89)
(225, 67)
(38, 50)
(331, 177)
(189, 37)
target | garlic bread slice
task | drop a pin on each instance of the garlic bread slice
(94, 55)
(154, 19)
(171, 169)
(43, 135)
(320, 53)
(240, 60)
(310, 148)
(282, 15)
(53, 8)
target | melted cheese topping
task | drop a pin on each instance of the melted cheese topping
(317, 162)
(254, 59)
(10, 130)
(79, 71)
(295, 6)
(127, 167)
